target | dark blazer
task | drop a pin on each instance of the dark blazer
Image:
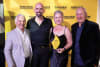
(89, 41)
(2, 40)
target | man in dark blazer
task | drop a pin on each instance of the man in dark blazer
(2, 43)
(85, 36)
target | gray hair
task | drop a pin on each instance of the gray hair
(16, 18)
(58, 11)
(83, 10)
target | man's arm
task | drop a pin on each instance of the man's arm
(8, 51)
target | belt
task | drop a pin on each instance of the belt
(27, 58)
(41, 46)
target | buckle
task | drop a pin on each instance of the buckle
(42, 46)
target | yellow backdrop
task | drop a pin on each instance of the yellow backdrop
(25, 7)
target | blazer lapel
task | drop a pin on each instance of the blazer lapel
(75, 31)
(84, 30)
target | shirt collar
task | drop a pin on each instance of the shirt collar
(20, 31)
(82, 24)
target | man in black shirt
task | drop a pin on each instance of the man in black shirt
(39, 28)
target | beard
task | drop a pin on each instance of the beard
(38, 14)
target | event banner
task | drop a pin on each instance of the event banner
(68, 7)
(26, 7)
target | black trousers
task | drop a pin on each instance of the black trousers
(27, 62)
(2, 58)
(88, 65)
(40, 57)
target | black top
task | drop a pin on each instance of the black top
(63, 42)
(39, 34)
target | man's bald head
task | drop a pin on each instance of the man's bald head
(39, 4)
(39, 9)
(81, 14)
(82, 9)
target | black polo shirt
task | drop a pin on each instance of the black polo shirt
(39, 34)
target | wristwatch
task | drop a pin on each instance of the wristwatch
(64, 48)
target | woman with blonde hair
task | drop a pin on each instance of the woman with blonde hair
(60, 53)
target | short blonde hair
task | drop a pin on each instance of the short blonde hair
(58, 11)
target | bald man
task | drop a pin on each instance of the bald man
(39, 28)
(85, 36)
